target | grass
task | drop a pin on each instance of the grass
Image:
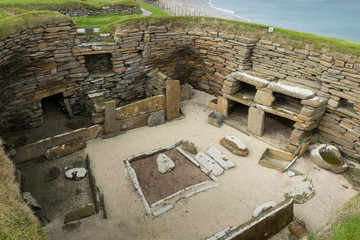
(56, 5)
(341, 49)
(108, 19)
(14, 24)
(344, 225)
(16, 219)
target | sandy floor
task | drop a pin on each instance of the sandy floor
(240, 191)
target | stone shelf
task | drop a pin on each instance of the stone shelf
(282, 112)
(243, 98)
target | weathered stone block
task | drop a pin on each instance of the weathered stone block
(256, 121)
(264, 97)
(156, 118)
(186, 92)
(215, 118)
(172, 99)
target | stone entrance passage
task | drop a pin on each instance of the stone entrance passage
(51, 107)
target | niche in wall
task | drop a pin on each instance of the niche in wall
(98, 63)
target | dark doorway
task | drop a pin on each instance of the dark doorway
(51, 107)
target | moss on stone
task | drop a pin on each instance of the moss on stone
(16, 24)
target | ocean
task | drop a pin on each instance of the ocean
(330, 18)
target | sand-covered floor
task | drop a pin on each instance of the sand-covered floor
(240, 190)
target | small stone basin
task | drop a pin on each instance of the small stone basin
(328, 157)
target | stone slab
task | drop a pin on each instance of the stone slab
(147, 105)
(133, 122)
(172, 99)
(292, 91)
(301, 192)
(209, 164)
(110, 125)
(256, 121)
(223, 160)
(38, 149)
(252, 80)
(80, 213)
(65, 149)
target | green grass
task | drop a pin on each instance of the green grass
(341, 49)
(98, 20)
(16, 219)
(344, 225)
(108, 19)
(3, 15)
(56, 5)
(14, 24)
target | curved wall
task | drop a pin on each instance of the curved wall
(41, 62)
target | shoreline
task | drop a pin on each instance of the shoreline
(200, 8)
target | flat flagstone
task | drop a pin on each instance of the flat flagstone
(220, 158)
(209, 164)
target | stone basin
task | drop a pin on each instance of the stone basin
(328, 157)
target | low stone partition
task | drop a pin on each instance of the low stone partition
(150, 111)
(91, 11)
(264, 226)
(40, 148)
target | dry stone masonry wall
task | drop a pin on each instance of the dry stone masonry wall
(84, 12)
(41, 62)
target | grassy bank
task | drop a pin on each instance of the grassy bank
(14, 24)
(344, 225)
(341, 49)
(109, 19)
(57, 5)
(16, 219)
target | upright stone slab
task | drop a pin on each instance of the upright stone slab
(256, 121)
(172, 99)
(110, 125)
(222, 106)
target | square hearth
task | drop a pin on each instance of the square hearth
(160, 190)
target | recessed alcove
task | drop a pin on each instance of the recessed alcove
(287, 103)
(98, 63)
(277, 130)
(247, 91)
(238, 117)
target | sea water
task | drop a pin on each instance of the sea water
(330, 18)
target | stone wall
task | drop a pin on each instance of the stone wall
(41, 62)
(35, 64)
(84, 12)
